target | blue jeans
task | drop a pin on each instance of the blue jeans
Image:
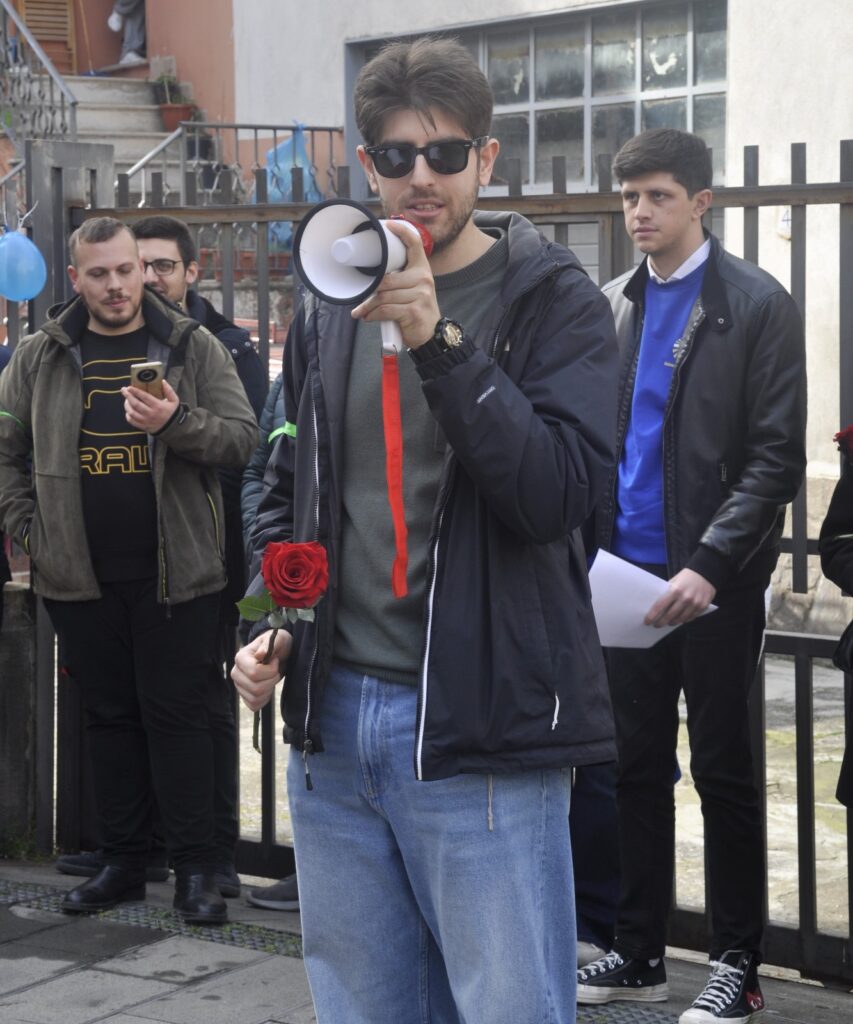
(447, 902)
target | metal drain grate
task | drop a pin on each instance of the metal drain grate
(268, 940)
(143, 915)
(623, 1013)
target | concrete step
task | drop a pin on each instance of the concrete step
(94, 89)
(130, 146)
(103, 117)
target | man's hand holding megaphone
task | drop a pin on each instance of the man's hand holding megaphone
(406, 297)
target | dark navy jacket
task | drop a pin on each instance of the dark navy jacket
(512, 674)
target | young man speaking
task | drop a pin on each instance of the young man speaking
(437, 728)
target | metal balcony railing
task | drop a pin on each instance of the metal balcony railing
(35, 101)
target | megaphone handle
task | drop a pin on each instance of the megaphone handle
(392, 339)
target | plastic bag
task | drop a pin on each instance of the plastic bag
(280, 160)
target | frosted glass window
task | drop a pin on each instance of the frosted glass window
(611, 129)
(513, 132)
(709, 123)
(613, 46)
(559, 133)
(559, 63)
(709, 37)
(665, 114)
(509, 67)
(665, 47)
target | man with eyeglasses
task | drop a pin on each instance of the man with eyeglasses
(170, 268)
(122, 519)
(432, 734)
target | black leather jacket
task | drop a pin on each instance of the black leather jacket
(512, 673)
(735, 419)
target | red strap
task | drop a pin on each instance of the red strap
(393, 426)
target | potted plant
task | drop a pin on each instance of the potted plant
(174, 106)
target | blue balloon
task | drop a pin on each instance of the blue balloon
(22, 268)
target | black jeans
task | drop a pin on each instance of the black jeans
(144, 675)
(593, 825)
(714, 660)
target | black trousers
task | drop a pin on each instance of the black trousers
(713, 660)
(593, 827)
(145, 676)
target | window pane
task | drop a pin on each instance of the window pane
(709, 35)
(613, 42)
(709, 123)
(509, 67)
(611, 129)
(559, 133)
(665, 47)
(665, 114)
(559, 63)
(513, 132)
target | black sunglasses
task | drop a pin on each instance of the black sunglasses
(397, 159)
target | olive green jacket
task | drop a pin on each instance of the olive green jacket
(41, 410)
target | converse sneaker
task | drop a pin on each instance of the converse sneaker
(615, 977)
(732, 992)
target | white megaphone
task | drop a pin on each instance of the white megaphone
(342, 252)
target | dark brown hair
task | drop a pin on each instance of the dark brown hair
(684, 156)
(90, 232)
(170, 228)
(424, 75)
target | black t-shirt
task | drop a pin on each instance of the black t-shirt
(119, 506)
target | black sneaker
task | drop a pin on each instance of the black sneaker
(732, 992)
(284, 895)
(615, 977)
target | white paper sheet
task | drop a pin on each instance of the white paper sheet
(622, 593)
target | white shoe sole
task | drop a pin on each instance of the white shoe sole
(589, 995)
(692, 1016)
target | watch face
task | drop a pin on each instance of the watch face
(452, 334)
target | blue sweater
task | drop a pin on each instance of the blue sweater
(638, 529)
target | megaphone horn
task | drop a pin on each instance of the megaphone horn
(342, 251)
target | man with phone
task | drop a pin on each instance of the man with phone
(170, 269)
(122, 521)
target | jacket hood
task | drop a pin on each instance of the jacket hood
(529, 251)
(168, 324)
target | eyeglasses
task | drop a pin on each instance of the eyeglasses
(162, 268)
(396, 160)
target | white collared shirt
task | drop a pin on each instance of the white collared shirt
(687, 267)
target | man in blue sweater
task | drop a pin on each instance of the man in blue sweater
(711, 429)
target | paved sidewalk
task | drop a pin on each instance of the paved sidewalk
(139, 964)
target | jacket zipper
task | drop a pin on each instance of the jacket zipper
(422, 691)
(215, 517)
(433, 574)
(307, 743)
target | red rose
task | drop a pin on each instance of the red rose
(844, 440)
(296, 575)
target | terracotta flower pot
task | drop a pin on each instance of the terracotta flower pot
(174, 113)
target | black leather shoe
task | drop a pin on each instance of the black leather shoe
(227, 880)
(198, 900)
(111, 885)
(89, 863)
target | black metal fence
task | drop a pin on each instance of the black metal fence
(805, 947)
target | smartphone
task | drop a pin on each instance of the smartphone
(148, 377)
